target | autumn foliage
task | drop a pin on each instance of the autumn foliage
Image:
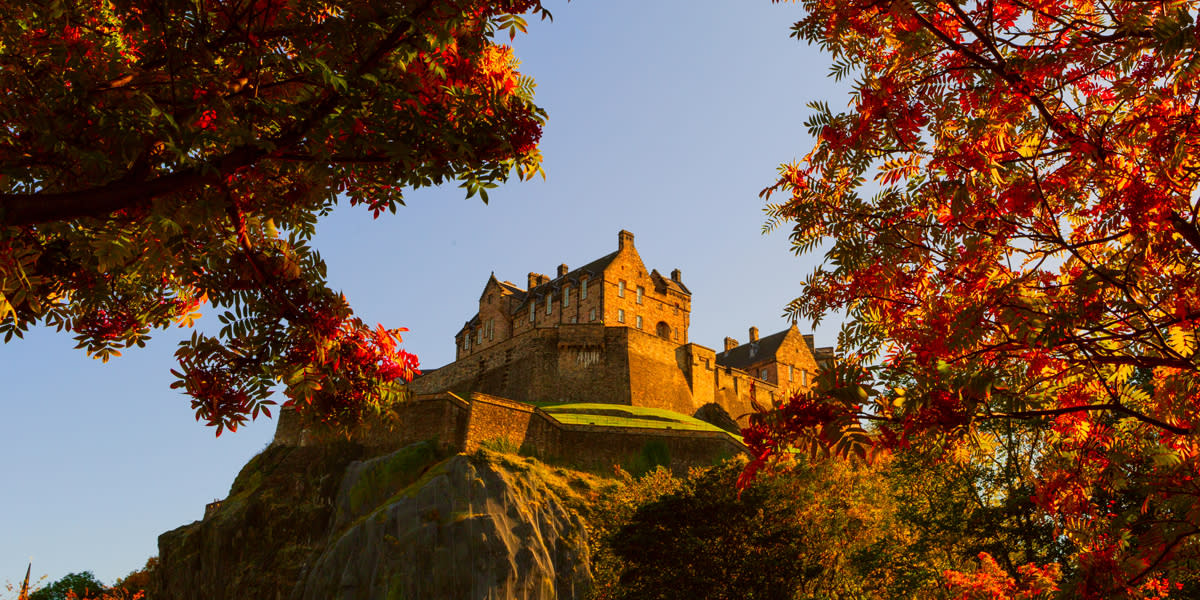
(155, 156)
(1010, 205)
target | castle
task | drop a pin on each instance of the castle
(613, 332)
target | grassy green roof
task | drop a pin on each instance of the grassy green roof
(618, 415)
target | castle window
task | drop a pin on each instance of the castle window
(532, 310)
(592, 315)
(491, 329)
(791, 373)
(663, 330)
(566, 296)
(620, 315)
(479, 335)
(762, 375)
(549, 302)
(621, 288)
(574, 319)
(803, 377)
(583, 289)
(489, 298)
(675, 310)
(641, 292)
(639, 321)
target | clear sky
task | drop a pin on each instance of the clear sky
(666, 119)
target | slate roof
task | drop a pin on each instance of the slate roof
(764, 350)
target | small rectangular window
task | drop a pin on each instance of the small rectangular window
(621, 288)
(592, 315)
(763, 375)
(574, 319)
(491, 329)
(641, 292)
(803, 377)
(566, 296)
(549, 303)
(583, 289)
(532, 310)
(479, 335)
(639, 321)
(791, 373)
(620, 315)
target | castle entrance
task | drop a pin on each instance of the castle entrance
(663, 330)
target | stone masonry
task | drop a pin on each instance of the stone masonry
(613, 332)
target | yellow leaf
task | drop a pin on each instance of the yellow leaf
(1182, 340)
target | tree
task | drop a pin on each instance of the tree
(816, 529)
(155, 155)
(82, 585)
(1011, 205)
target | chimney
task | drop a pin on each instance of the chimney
(730, 344)
(753, 334)
(535, 279)
(675, 275)
(624, 238)
(562, 269)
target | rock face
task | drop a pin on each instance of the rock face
(276, 516)
(470, 529)
(317, 524)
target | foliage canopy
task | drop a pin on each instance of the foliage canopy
(1011, 204)
(158, 154)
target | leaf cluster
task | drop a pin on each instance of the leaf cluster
(155, 156)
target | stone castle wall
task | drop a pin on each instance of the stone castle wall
(464, 425)
(591, 362)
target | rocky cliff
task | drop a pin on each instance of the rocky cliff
(333, 521)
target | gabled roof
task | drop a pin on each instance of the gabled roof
(753, 352)
(669, 283)
(517, 293)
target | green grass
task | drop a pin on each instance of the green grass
(619, 415)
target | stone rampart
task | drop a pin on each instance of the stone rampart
(460, 425)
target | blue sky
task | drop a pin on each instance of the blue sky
(666, 119)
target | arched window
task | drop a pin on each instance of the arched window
(663, 330)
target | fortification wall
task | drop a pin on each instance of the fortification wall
(732, 390)
(657, 371)
(493, 418)
(460, 425)
(585, 362)
(699, 363)
(591, 362)
(441, 417)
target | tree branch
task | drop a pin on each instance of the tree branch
(1113, 406)
(32, 209)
